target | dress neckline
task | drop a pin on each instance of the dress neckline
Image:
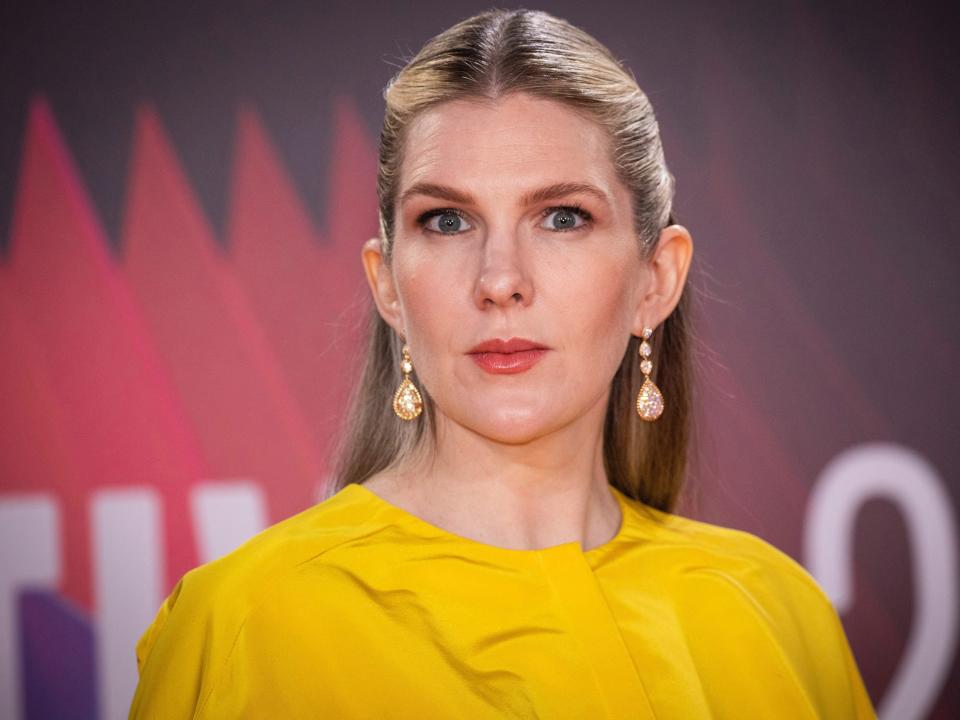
(408, 518)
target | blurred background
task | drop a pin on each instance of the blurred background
(184, 190)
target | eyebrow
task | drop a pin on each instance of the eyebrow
(548, 192)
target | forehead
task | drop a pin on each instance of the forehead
(520, 138)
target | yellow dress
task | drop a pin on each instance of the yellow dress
(356, 608)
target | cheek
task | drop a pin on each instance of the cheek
(609, 325)
(598, 300)
(599, 323)
(429, 297)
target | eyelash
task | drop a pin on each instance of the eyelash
(576, 209)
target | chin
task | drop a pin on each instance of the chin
(513, 428)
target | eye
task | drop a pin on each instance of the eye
(565, 218)
(446, 221)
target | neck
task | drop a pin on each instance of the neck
(548, 491)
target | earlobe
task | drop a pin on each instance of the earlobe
(382, 287)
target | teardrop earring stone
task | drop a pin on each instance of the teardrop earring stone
(407, 402)
(649, 401)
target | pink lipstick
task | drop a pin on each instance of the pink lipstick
(503, 357)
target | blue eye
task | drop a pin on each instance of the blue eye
(565, 218)
(450, 221)
(444, 221)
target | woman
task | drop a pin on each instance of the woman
(500, 541)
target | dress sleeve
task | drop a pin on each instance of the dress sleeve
(181, 653)
(149, 637)
(835, 678)
(862, 705)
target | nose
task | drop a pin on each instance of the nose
(503, 280)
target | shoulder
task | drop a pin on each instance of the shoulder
(195, 628)
(705, 554)
(281, 548)
(736, 592)
(728, 585)
(747, 614)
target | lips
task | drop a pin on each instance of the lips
(506, 347)
(507, 356)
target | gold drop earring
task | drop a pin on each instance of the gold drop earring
(407, 403)
(649, 399)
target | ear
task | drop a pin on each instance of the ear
(382, 286)
(667, 270)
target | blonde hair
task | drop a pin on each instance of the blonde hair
(486, 57)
